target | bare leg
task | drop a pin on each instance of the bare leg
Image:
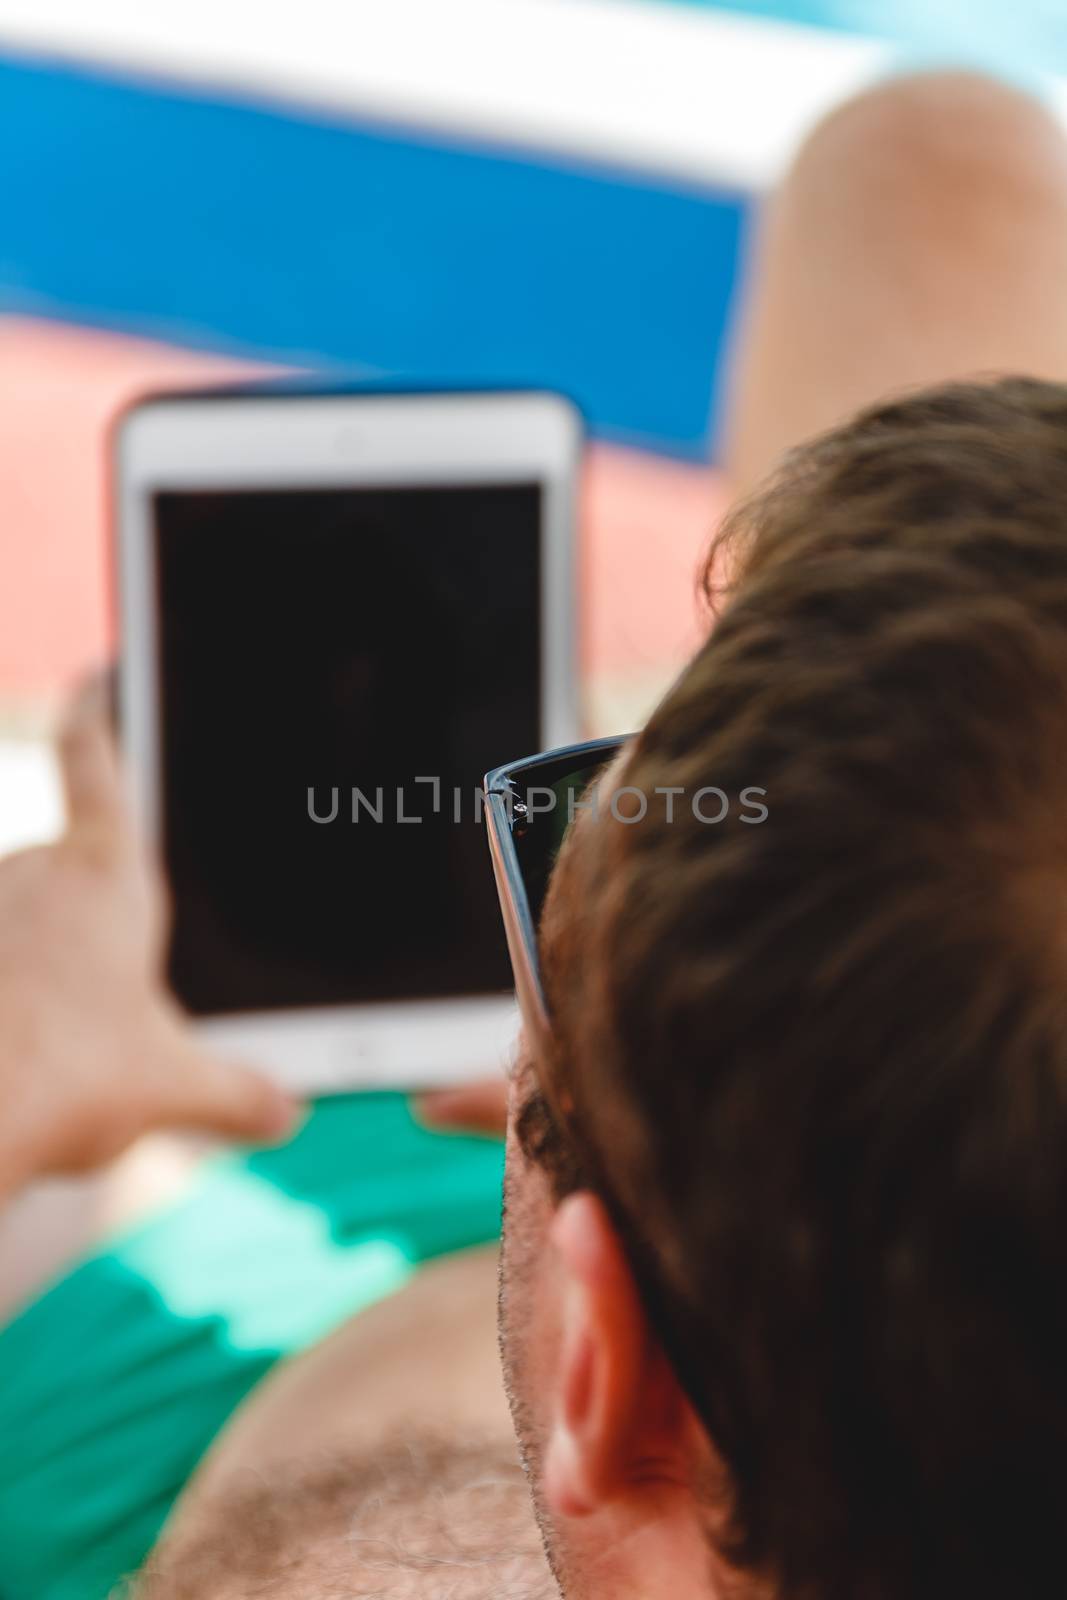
(920, 236)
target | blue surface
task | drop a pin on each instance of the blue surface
(231, 226)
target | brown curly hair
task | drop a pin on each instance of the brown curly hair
(821, 1064)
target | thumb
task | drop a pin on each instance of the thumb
(471, 1108)
(196, 1091)
(89, 764)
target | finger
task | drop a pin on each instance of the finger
(199, 1092)
(90, 769)
(98, 692)
(472, 1108)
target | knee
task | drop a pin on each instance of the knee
(926, 149)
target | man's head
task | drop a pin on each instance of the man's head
(787, 1298)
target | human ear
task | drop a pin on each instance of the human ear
(619, 1421)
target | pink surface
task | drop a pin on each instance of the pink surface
(59, 389)
(645, 521)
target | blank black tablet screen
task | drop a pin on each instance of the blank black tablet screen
(320, 652)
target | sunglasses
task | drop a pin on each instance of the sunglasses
(529, 807)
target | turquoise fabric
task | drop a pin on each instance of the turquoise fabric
(115, 1381)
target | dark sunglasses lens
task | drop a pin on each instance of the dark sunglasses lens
(542, 814)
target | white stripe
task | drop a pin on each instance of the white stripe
(213, 1256)
(695, 93)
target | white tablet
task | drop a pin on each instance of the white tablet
(338, 611)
